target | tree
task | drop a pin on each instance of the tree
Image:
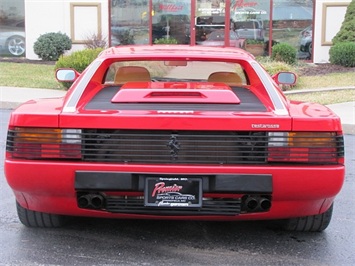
(347, 29)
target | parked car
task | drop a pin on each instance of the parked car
(205, 25)
(250, 29)
(12, 39)
(208, 123)
(216, 38)
(306, 40)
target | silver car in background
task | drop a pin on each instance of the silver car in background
(12, 39)
(250, 29)
(306, 37)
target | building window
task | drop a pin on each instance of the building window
(129, 22)
(12, 28)
(292, 23)
(171, 20)
(246, 21)
(265, 22)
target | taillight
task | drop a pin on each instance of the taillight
(44, 143)
(305, 147)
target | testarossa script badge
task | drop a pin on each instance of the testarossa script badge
(265, 125)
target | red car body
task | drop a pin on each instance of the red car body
(179, 143)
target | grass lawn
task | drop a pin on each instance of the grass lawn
(325, 97)
(42, 76)
(28, 75)
(332, 80)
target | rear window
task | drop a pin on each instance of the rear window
(173, 70)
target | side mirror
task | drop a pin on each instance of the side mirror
(285, 78)
(66, 74)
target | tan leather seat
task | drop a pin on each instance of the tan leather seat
(131, 73)
(230, 78)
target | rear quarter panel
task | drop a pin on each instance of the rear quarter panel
(37, 113)
(313, 117)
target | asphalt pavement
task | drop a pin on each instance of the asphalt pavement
(11, 97)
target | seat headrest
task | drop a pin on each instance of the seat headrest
(230, 78)
(131, 73)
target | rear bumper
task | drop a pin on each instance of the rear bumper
(295, 191)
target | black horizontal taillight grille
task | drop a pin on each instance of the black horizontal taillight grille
(44, 143)
(174, 147)
(305, 147)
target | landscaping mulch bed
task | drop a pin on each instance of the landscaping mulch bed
(323, 69)
(25, 60)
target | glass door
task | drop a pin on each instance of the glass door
(171, 21)
(129, 22)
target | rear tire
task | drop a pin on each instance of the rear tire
(39, 219)
(314, 223)
(308, 50)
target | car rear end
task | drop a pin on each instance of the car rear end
(181, 145)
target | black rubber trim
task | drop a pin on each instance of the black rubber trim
(248, 103)
(114, 181)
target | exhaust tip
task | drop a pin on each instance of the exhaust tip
(97, 201)
(83, 202)
(251, 204)
(256, 203)
(265, 204)
(91, 201)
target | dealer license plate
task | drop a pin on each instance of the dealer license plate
(171, 192)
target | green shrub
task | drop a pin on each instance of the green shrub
(347, 29)
(343, 53)
(166, 41)
(78, 60)
(51, 46)
(274, 67)
(284, 52)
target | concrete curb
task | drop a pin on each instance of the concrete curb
(348, 129)
(11, 97)
(318, 90)
(8, 105)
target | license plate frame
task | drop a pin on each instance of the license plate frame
(173, 192)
